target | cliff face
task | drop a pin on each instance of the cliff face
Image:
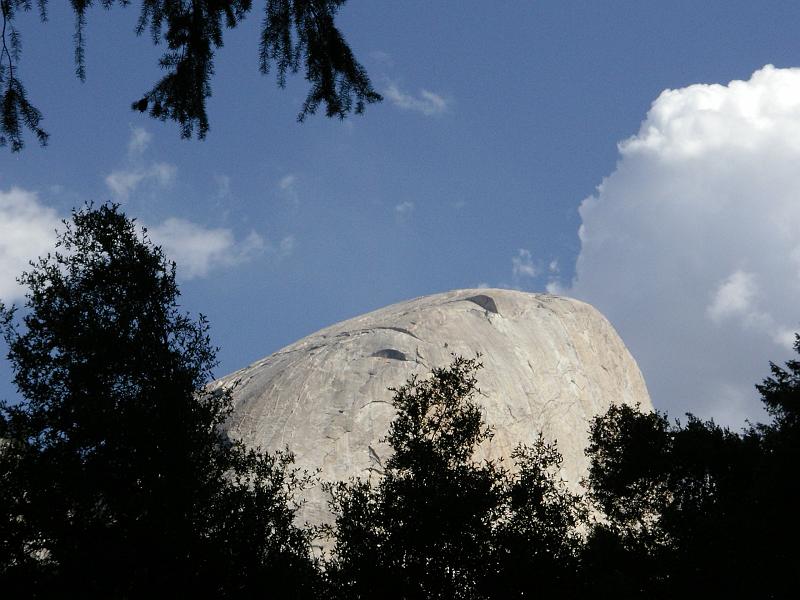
(550, 364)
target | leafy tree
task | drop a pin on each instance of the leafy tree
(294, 33)
(780, 394)
(439, 524)
(696, 509)
(778, 482)
(117, 481)
(538, 542)
(425, 530)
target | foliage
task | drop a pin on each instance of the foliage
(16, 111)
(781, 394)
(293, 33)
(695, 508)
(424, 531)
(538, 542)
(439, 524)
(778, 480)
(116, 477)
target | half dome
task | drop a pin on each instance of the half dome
(550, 364)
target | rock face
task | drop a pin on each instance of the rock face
(550, 365)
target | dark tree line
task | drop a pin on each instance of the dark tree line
(116, 480)
(440, 525)
(295, 35)
(696, 509)
(670, 510)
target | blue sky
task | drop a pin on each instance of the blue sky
(502, 135)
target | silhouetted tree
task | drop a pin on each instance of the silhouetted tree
(294, 34)
(538, 542)
(425, 530)
(696, 509)
(781, 396)
(117, 481)
(440, 525)
(778, 476)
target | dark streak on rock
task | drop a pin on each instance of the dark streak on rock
(377, 328)
(485, 302)
(400, 330)
(389, 353)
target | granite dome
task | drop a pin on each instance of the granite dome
(550, 364)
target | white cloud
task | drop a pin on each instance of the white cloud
(403, 210)
(382, 58)
(140, 139)
(198, 250)
(124, 182)
(691, 246)
(734, 297)
(286, 246)
(223, 183)
(737, 300)
(522, 265)
(426, 102)
(554, 287)
(287, 181)
(288, 188)
(162, 173)
(27, 230)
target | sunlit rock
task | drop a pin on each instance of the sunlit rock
(550, 365)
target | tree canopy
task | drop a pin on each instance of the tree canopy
(117, 479)
(694, 508)
(439, 524)
(294, 34)
(669, 509)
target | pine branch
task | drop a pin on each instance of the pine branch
(294, 32)
(15, 109)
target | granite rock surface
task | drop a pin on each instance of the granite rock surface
(550, 364)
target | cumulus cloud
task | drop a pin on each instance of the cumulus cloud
(27, 230)
(691, 246)
(426, 102)
(734, 297)
(198, 250)
(737, 300)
